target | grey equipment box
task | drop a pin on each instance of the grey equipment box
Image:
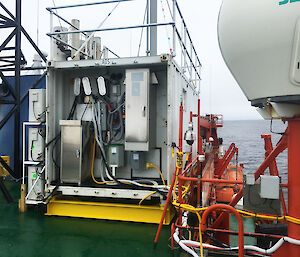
(37, 193)
(75, 151)
(137, 110)
(255, 203)
(116, 155)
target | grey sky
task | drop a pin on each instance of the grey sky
(219, 92)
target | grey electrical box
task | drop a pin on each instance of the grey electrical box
(255, 203)
(75, 151)
(116, 155)
(137, 110)
(36, 144)
(250, 179)
(103, 116)
(138, 160)
(269, 187)
(37, 105)
(37, 192)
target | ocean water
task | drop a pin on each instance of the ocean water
(247, 137)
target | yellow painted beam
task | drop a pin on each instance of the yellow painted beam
(109, 211)
(3, 172)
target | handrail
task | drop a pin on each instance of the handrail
(87, 4)
(190, 164)
(189, 57)
(110, 29)
(237, 215)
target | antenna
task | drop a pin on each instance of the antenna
(37, 21)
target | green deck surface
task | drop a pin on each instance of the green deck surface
(33, 234)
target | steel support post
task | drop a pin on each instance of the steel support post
(293, 183)
(17, 88)
(153, 30)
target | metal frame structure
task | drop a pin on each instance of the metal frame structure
(189, 58)
(14, 63)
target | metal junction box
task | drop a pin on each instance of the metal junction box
(255, 202)
(37, 192)
(37, 105)
(269, 187)
(116, 155)
(75, 151)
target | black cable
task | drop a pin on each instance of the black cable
(271, 126)
(50, 196)
(52, 140)
(52, 152)
(58, 136)
(84, 111)
(218, 242)
(31, 152)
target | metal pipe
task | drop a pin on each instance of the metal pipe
(148, 29)
(66, 21)
(24, 68)
(180, 143)
(190, 159)
(187, 31)
(153, 30)
(87, 4)
(7, 40)
(111, 29)
(174, 29)
(63, 42)
(173, 179)
(211, 180)
(237, 215)
(293, 182)
(180, 127)
(17, 121)
(51, 39)
(186, 51)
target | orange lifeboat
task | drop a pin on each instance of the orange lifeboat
(225, 192)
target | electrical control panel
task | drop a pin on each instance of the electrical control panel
(137, 110)
(75, 151)
(37, 105)
(36, 180)
(36, 144)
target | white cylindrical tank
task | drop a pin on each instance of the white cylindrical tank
(59, 46)
(260, 43)
(75, 38)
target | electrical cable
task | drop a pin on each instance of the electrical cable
(132, 184)
(58, 136)
(152, 193)
(86, 106)
(126, 182)
(150, 165)
(271, 129)
(247, 247)
(116, 109)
